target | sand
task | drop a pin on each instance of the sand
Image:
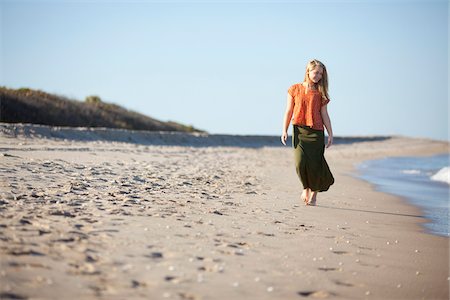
(215, 218)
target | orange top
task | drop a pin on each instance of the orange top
(307, 106)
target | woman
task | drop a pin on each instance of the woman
(307, 108)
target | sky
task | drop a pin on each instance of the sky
(225, 66)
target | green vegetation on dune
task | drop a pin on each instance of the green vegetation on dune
(26, 105)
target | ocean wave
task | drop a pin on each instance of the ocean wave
(410, 171)
(442, 175)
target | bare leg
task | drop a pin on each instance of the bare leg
(313, 199)
(305, 195)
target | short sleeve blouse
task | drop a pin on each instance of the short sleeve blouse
(307, 106)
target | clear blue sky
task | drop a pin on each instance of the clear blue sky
(225, 66)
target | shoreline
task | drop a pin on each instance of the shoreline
(102, 220)
(388, 175)
(405, 201)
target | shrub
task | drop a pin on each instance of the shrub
(93, 99)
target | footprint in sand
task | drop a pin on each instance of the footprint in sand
(20, 252)
(27, 265)
(327, 269)
(137, 284)
(302, 227)
(155, 255)
(316, 294)
(340, 252)
(83, 269)
(343, 283)
(266, 234)
(8, 295)
(172, 279)
(216, 268)
(63, 213)
(188, 296)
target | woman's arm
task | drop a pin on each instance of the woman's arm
(287, 118)
(327, 122)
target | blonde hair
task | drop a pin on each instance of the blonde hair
(323, 82)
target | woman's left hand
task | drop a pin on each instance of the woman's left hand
(330, 141)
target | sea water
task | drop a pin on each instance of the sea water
(423, 181)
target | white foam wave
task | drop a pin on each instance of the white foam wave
(442, 175)
(411, 172)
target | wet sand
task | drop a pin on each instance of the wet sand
(108, 219)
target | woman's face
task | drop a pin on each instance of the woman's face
(315, 74)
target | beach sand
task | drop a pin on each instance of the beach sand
(106, 219)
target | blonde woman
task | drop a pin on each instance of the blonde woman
(307, 108)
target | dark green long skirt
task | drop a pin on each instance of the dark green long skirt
(310, 163)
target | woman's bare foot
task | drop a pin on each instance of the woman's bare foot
(313, 199)
(305, 195)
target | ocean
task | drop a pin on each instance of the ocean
(423, 181)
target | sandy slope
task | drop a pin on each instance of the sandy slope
(110, 220)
